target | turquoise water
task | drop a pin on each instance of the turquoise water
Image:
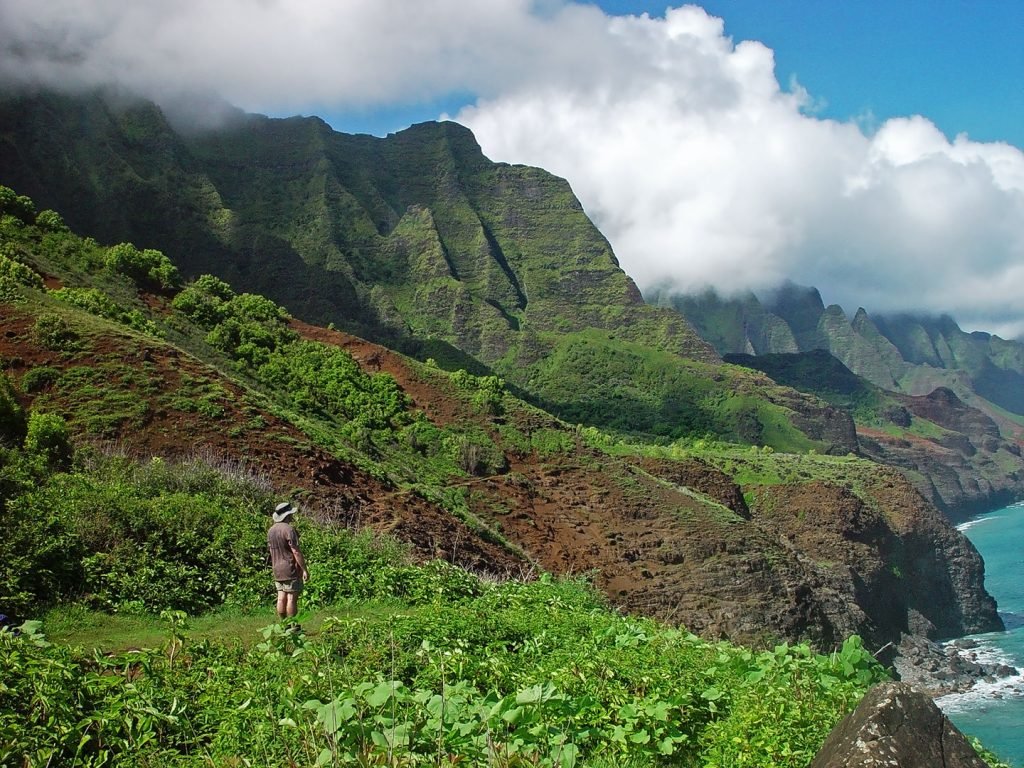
(995, 712)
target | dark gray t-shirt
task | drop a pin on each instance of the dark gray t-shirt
(281, 558)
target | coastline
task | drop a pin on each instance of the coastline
(992, 709)
(968, 666)
(955, 667)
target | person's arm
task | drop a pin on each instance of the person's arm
(300, 561)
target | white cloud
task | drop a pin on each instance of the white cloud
(704, 172)
(681, 144)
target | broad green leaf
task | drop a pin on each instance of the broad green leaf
(379, 695)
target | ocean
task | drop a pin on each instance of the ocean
(995, 712)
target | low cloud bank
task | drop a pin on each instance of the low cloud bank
(699, 167)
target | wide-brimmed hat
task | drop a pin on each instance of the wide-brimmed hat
(282, 510)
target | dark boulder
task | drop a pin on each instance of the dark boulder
(896, 725)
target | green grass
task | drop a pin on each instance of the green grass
(77, 625)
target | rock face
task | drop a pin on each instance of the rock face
(943, 669)
(894, 725)
(966, 467)
(823, 561)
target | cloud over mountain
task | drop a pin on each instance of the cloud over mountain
(697, 164)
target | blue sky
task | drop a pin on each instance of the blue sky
(958, 62)
(870, 149)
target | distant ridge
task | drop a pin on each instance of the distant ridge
(944, 405)
(902, 353)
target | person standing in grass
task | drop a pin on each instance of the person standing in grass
(286, 559)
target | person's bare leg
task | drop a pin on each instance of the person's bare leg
(282, 605)
(293, 604)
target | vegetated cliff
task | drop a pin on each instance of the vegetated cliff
(907, 354)
(954, 454)
(807, 559)
(416, 240)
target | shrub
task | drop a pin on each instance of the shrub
(204, 302)
(39, 378)
(13, 275)
(12, 417)
(51, 221)
(149, 537)
(96, 302)
(318, 376)
(13, 270)
(39, 560)
(147, 268)
(18, 206)
(54, 332)
(476, 454)
(48, 438)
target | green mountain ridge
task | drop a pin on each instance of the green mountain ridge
(905, 353)
(416, 241)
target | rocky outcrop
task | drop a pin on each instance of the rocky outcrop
(939, 670)
(895, 725)
(882, 561)
(817, 559)
(954, 453)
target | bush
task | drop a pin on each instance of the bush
(16, 272)
(47, 438)
(476, 454)
(205, 301)
(51, 221)
(320, 377)
(12, 417)
(147, 538)
(18, 206)
(40, 560)
(96, 302)
(54, 333)
(13, 276)
(39, 378)
(147, 268)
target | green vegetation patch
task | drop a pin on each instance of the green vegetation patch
(596, 379)
(515, 673)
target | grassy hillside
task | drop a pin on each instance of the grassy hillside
(403, 664)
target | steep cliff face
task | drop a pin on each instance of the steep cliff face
(873, 558)
(417, 234)
(909, 570)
